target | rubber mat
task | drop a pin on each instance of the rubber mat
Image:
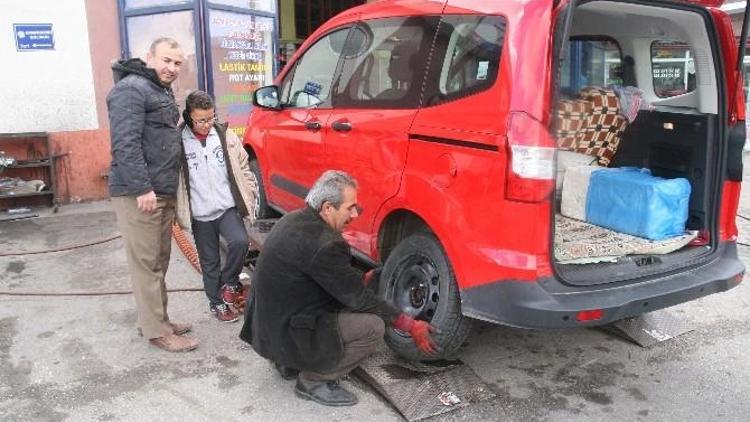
(651, 328)
(419, 391)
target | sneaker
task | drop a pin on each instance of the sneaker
(231, 294)
(224, 313)
(328, 393)
(174, 343)
(286, 372)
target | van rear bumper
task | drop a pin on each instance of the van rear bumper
(548, 303)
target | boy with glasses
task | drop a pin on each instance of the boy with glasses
(216, 190)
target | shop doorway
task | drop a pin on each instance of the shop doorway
(229, 47)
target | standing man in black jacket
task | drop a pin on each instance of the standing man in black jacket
(146, 148)
(310, 310)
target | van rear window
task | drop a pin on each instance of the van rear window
(673, 68)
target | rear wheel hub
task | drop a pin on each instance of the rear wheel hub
(415, 287)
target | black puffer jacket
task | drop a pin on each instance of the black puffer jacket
(303, 279)
(143, 120)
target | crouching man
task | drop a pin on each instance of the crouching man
(310, 312)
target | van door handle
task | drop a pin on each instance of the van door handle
(341, 126)
(313, 125)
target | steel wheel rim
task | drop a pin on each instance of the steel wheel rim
(415, 287)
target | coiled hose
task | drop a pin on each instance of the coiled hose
(186, 246)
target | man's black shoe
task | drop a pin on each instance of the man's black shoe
(326, 393)
(287, 373)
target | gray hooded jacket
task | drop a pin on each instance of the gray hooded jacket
(146, 144)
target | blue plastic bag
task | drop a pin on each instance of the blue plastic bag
(632, 201)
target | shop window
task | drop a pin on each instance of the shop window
(133, 4)
(242, 61)
(142, 30)
(673, 68)
(309, 83)
(591, 62)
(259, 5)
(228, 47)
(385, 63)
(466, 57)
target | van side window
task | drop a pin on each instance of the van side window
(672, 67)
(466, 57)
(385, 62)
(308, 84)
(591, 62)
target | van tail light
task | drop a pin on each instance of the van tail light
(531, 160)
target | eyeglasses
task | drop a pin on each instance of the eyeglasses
(205, 121)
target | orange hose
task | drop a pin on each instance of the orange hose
(186, 246)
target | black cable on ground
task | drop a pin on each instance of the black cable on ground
(742, 244)
(63, 249)
(179, 235)
(743, 217)
(105, 293)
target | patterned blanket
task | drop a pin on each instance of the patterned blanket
(577, 242)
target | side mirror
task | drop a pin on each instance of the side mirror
(267, 97)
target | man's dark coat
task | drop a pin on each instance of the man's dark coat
(302, 280)
(146, 146)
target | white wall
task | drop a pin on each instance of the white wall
(46, 90)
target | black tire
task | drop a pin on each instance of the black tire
(262, 210)
(418, 279)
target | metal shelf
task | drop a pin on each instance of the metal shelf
(28, 164)
(45, 162)
(22, 136)
(26, 194)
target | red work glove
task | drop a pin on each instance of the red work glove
(419, 331)
(372, 276)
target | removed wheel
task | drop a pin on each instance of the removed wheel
(418, 279)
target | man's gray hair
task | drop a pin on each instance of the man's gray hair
(329, 188)
(163, 40)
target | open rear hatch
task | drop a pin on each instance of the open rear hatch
(641, 122)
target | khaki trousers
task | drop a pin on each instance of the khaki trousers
(148, 244)
(361, 334)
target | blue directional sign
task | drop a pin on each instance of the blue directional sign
(34, 36)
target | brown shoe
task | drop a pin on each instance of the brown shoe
(178, 328)
(175, 343)
(181, 328)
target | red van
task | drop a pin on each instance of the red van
(453, 116)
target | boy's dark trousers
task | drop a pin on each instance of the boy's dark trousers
(206, 234)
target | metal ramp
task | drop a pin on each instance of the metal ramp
(421, 390)
(651, 328)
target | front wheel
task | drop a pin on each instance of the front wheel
(418, 279)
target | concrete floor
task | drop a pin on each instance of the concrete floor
(80, 358)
